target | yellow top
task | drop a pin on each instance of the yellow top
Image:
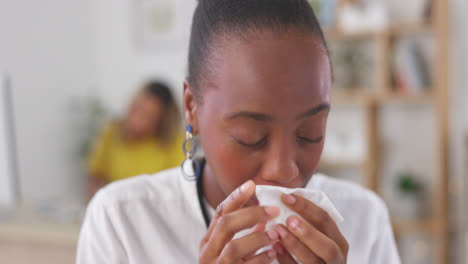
(115, 159)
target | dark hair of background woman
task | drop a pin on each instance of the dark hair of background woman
(169, 128)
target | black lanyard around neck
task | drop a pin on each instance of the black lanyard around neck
(200, 195)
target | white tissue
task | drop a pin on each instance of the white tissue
(271, 196)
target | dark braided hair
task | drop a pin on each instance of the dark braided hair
(214, 19)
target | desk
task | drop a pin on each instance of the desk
(27, 237)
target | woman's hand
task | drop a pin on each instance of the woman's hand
(312, 238)
(217, 245)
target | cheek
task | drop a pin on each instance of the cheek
(232, 166)
(229, 164)
(134, 121)
(309, 160)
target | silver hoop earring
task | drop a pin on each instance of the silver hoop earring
(190, 167)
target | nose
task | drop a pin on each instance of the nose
(280, 165)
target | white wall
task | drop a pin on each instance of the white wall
(123, 66)
(55, 50)
(48, 47)
(460, 122)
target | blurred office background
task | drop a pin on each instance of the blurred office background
(399, 123)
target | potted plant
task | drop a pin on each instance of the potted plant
(410, 192)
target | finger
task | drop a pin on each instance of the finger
(316, 216)
(282, 255)
(265, 257)
(246, 246)
(260, 227)
(237, 198)
(213, 223)
(229, 224)
(316, 241)
(233, 202)
(295, 247)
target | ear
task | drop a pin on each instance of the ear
(190, 107)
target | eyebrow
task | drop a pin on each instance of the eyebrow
(315, 110)
(264, 117)
(251, 115)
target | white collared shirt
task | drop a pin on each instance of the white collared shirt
(158, 219)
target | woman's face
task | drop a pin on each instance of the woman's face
(143, 116)
(264, 110)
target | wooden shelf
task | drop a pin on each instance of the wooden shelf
(340, 164)
(424, 98)
(356, 96)
(405, 28)
(395, 29)
(425, 226)
(360, 97)
(362, 35)
(374, 99)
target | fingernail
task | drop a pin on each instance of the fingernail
(219, 209)
(293, 223)
(283, 233)
(289, 199)
(271, 253)
(236, 193)
(245, 186)
(272, 235)
(272, 210)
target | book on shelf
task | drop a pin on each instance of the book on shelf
(411, 74)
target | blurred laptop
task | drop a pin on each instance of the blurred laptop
(8, 171)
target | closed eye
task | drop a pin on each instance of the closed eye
(257, 144)
(311, 141)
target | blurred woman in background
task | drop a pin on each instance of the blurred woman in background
(146, 140)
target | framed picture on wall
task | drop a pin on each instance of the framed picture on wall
(161, 24)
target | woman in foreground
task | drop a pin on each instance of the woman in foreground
(257, 95)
